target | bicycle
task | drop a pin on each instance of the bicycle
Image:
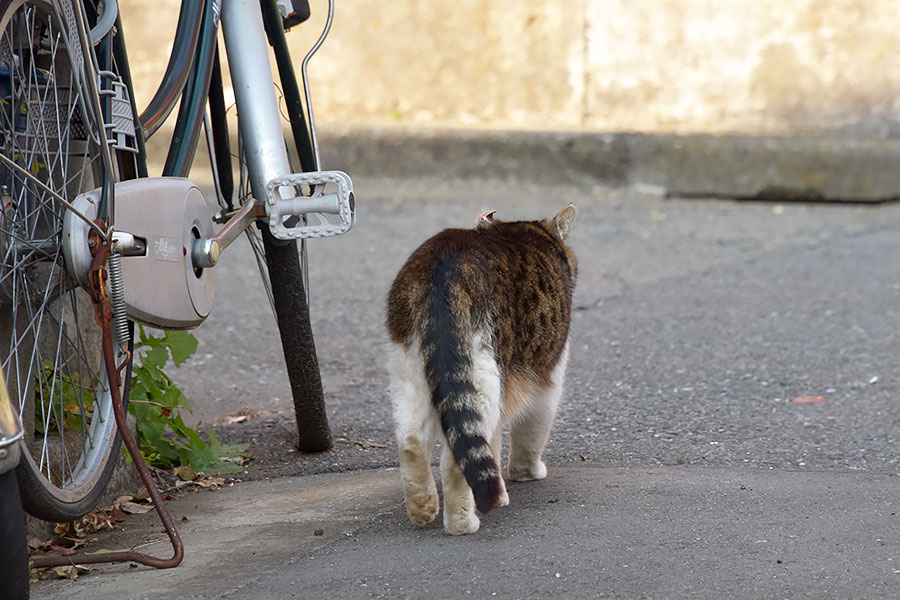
(74, 188)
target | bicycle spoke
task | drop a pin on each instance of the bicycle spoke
(50, 141)
(253, 235)
(85, 374)
(58, 388)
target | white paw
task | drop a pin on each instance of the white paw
(503, 500)
(461, 523)
(422, 509)
(527, 472)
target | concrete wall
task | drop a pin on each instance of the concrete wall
(686, 66)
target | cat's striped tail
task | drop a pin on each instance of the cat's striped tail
(447, 347)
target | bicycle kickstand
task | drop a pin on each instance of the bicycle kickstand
(103, 314)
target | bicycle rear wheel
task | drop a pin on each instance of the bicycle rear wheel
(50, 344)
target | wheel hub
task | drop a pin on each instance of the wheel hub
(76, 249)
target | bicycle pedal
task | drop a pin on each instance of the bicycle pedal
(329, 210)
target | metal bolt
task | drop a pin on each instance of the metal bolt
(3, 453)
(214, 251)
(92, 242)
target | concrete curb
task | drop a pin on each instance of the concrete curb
(736, 166)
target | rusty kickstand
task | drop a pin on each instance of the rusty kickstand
(103, 314)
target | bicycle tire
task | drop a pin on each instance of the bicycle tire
(298, 344)
(283, 280)
(14, 571)
(50, 344)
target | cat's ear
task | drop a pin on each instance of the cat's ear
(486, 218)
(562, 222)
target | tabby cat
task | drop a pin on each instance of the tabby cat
(479, 324)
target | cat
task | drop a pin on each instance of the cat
(479, 325)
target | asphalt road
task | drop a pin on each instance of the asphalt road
(680, 465)
(698, 323)
(584, 532)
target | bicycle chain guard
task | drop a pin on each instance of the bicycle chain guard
(161, 286)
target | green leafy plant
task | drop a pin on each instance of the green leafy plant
(74, 406)
(156, 402)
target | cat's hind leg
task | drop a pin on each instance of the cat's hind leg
(497, 450)
(415, 424)
(529, 431)
(459, 502)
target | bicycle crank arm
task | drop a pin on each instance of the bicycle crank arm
(205, 252)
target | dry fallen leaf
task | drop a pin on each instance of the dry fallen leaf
(242, 415)
(211, 481)
(185, 473)
(64, 550)
(92, 522)
(96, 520)
(37, 545)
(133, 508)
(66, 541)
(107, 551)
(808, 400)
(116, 514)
(204, 482)
(69, 571)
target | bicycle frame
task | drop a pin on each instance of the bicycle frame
(193, 73)
(248, 27)
(144, 247)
